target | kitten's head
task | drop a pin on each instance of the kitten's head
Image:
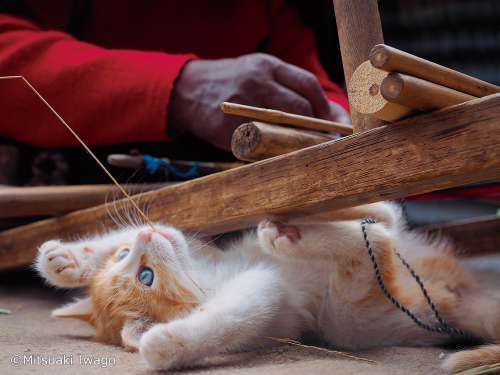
(143, 282)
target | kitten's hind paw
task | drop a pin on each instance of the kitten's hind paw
(163, 349)
(60, 266)
(276, 237)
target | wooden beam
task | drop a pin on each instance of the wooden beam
(258, 141)
(472, 236)
(359, 29)
(54, 200)
(443, 149)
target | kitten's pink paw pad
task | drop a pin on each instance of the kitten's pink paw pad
(275, 235)
(60, 266)
(289, 231)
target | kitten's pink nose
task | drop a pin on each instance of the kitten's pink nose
(145, 235)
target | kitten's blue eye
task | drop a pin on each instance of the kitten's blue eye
(123, 253)
(146, 276)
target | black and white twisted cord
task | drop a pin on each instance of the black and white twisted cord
(443, 326)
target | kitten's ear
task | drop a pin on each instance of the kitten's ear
(80, 309)
(132, 331)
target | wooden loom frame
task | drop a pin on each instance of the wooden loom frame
(447, 148)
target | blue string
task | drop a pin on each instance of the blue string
(152, 164)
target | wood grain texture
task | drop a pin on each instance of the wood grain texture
(419, 94)
(366, 97)
(359, 29)
(391, 59)
(258, 141)
(473, 236)
(54, 200)
(285, 118)
(442, 149)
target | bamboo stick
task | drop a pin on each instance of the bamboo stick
(54, 200)
(257, 141)
(280, 117)
(359, 29)
(419, 94)
(366, 98)
(391, 59)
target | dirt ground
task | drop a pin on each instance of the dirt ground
(29, 334)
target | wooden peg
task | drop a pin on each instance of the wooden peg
(419, 94)
(366, 98)
(257, 141)
(280, 117)
(391, 59)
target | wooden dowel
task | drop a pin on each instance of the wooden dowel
(257, 141)
(359, 29)
(471, 236)
(280, 117)
(366, 98)
(391, 59)
(419, 94)
(53, 200)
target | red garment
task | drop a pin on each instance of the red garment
(112, 82)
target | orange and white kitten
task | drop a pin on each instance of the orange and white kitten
(153, 290)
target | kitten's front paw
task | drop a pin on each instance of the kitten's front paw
(164, 349)
(276, 237)
(59, 265)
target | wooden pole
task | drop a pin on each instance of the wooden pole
(442, 149)
(365, 96)
(54, 200)
(471, 236)
(359, 29)
(280, 117)
(258, 141)
(419, 94)
(391, 59)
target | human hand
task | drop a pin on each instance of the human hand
(256, 79)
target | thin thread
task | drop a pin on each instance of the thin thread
(124, 192)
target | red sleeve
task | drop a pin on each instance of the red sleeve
(107, 96)
(293, 42)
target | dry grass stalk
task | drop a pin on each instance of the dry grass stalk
(336, 352)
